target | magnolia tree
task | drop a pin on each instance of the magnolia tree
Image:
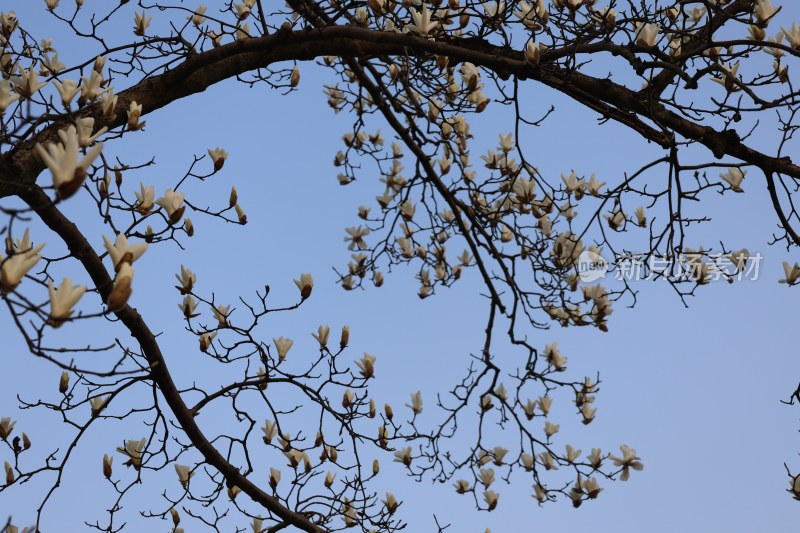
(696, 79)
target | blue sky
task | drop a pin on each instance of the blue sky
(696, 391)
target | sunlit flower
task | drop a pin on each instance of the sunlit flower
(121, 289)
(403, 455)
(184, 474)
(627, 461)
(282, 345)
(218, 156)
(62, 160)
(6, 427)
(140, 23)
(792, 273)
(646, 34)
(366, 365)
(133, 449)
(416, 403)
(734, 177)
(62, 300)
(121, 252)
(305, 284)
(173, 203)
(491, 498)
(422, 21)
(322, 334)
(550, 429)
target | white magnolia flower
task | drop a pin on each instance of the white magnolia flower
(322, 334)
(27, 83)
(646, 34)
(68, 89)
(416, 403)
(121, 290)
(627, 461)
(491, 497)
(305, 284)
(6, 427)
(218, 156)
(739, 258)
(62, 160)
(792, 273)
(90, 89)
(764, 10)
(734, 177)
(133, 450)
(595, 458)
(270, 430)
(6, 96)
(172, 202)
(422, 21)
(792, 35)
(206, 339)
(122, 252)
(14, 268)
(282, 345)
(550, 429)
(145, 197)
(140, 23)
(366, 365)
(184, 474)
(84, 127)
(62, 300)
(134, 113)
(403, 455)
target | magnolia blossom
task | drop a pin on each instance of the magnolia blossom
(548, 461)
(646, 34)
(188, 306)
(68, 89)
(6, 427)
(62, 300)
(539, 493)
(627, 461)
(734, 177)
(218, 157)
(366, 366)
(97, 404)
(390, 502)
(739, 258)
(616, 219)
(305, 284)
(491, 498)
(184, 474)
(792, 35)
(121, 290)
(270, 430)
(107, 462)
(62, 160)
(462, 486)
(121, 252)
(282, 345)
(329, 479)
(322, 334)
(588, 413)
(550, 429)
(15, 267)
(145, 197)
(197, 18)
(187, 279)
(206, 339)
(140, 23)
(134, 112)
(172, 202)
(403, 455)
(6, 96)
(257, 524)
(792, 273)
(422, 22)
(572, 454)
(90, 89)
(595, 458)
(554, 356)
(133, 450)
(486, 476)
(27, 83)
(416, 403)
(221, 313)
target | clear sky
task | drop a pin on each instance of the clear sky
(696, 391)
